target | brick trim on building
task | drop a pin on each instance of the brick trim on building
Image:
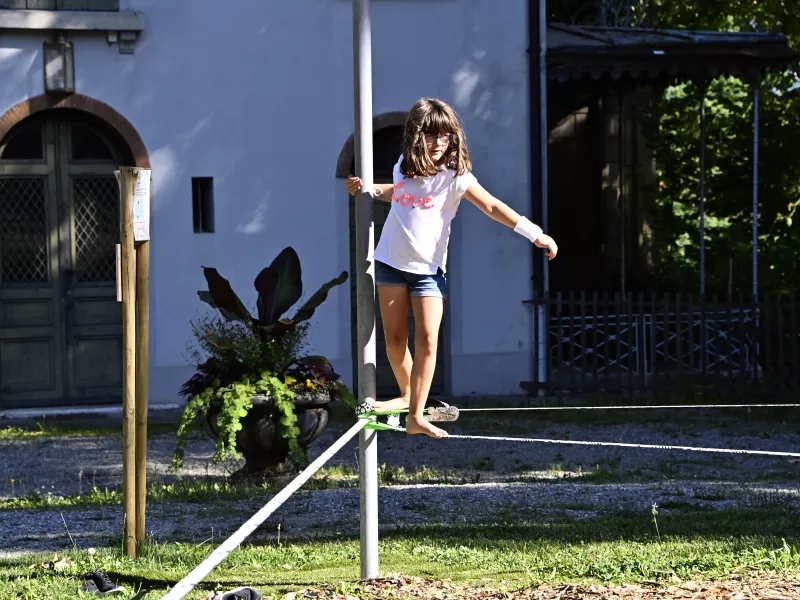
(79, 102)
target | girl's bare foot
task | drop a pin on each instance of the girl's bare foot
(417, 426)
(390, 405)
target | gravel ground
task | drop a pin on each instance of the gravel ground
(496, 477)
(335, 511)
(68, 464)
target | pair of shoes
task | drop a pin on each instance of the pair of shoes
(99, 583)
(242, 593)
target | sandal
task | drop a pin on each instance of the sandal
(438, 411)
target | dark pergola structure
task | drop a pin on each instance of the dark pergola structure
(652, 55)
(640, 55)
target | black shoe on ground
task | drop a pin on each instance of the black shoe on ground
(98, 582)
(242, 593)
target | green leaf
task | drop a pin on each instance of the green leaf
(219, 342)
(313, 360)
(307, 310)
(205, 296)
(279, 286)
(223, 296)
(266, 283)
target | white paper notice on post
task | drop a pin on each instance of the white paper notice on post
(141, 206)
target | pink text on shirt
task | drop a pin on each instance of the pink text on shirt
(406, 199)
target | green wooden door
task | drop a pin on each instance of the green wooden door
(60, 324)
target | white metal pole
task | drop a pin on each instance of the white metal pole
(756, 158)
(365, 283)
(756, 139)
(544, 189)
(702, 194)
(545, 134)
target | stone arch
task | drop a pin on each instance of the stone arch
(346, 156)
(79, 102)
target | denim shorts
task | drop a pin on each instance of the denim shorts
(417, 284)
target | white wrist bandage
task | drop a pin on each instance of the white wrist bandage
(527, 229)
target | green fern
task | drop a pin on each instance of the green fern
(235, 402)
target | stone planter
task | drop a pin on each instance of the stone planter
(260, 440)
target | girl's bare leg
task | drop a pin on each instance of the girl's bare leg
(428, 312)
(394, 303)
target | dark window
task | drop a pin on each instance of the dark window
(203, 204)
(24, 143)
(88, 145)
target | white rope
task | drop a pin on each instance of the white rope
(188, 583)
(622, 445)
(656, 406)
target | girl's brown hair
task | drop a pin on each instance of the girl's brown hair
(430, 116)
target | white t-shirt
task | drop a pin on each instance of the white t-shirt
(417, 230)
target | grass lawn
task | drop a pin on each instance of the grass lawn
(512, 555)
(513, 552)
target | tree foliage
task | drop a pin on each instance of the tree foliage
(729, 159)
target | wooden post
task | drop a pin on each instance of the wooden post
(127, 187)
(142, 361)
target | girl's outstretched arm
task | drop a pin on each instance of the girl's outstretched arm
(354, 184)
(502, 213)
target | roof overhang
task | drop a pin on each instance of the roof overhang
(575, 52)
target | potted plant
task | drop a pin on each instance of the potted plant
(255, 392)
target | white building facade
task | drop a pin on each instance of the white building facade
(251, 100)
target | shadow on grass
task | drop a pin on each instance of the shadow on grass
(768, 525)
(778, 523)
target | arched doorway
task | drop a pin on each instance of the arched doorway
(60, 324)
(387, 144)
